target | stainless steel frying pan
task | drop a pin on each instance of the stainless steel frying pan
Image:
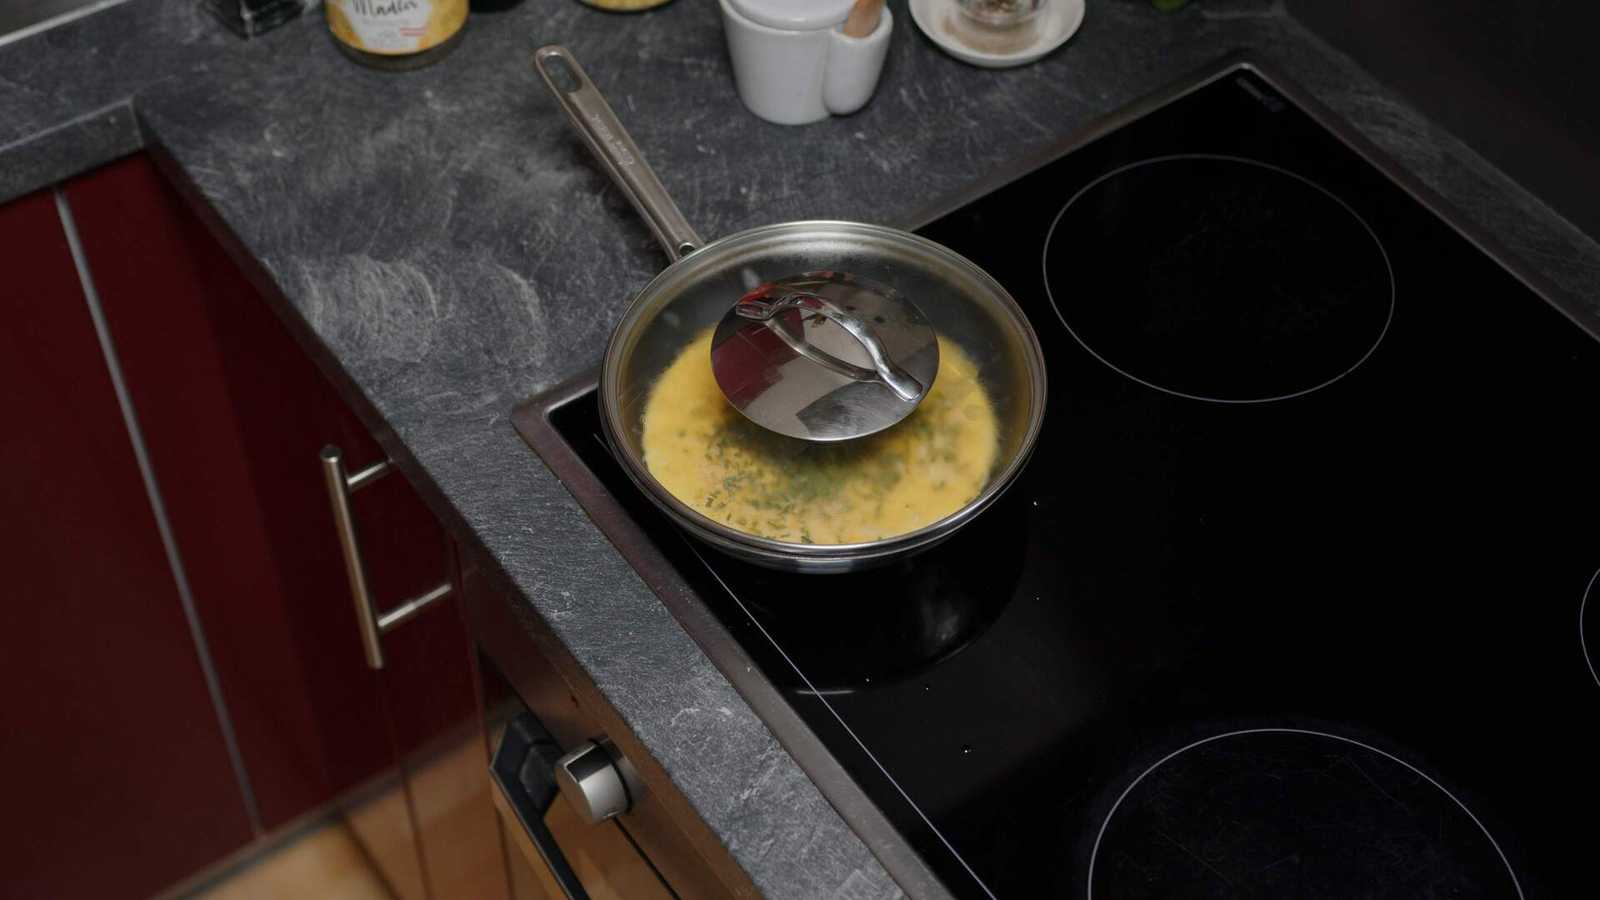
(960, 300)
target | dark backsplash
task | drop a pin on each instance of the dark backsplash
(1520, 81)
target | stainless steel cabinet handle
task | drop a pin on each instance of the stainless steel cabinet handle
(373, 625)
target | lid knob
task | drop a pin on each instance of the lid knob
(824, 356)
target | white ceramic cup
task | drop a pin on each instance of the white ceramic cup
(795, 77)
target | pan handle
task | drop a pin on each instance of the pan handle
(611, 145)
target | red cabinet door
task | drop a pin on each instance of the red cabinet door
(116, 777)
(234, 414)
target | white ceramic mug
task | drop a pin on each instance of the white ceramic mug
(799, 75)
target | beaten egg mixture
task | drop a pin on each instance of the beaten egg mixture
(732, 470)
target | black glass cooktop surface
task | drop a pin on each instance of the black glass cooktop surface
(1291, 598)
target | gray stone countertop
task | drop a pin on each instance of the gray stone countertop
(453, 250)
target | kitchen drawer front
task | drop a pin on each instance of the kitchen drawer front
(519, 673)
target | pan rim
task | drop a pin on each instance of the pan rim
(787, 553)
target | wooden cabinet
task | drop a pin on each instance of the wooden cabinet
(115, 771)
(124, 772)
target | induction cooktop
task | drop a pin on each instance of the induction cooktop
(1294, 598)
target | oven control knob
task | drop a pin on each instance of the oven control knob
(596, 780)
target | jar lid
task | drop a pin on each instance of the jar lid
(794, 15)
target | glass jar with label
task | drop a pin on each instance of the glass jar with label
(624, 5)
(396, 34)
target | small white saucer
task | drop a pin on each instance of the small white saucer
(1059, 20)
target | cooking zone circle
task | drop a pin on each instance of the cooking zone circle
(1583, 626)
(1284, 812)
(1218, 278)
